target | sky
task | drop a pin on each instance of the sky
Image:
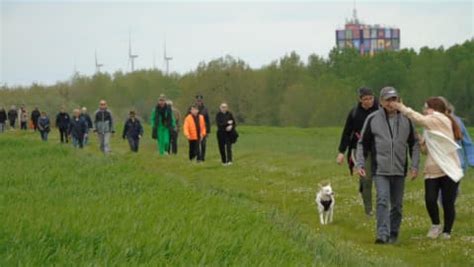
(46, 41)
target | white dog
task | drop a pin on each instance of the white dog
(325, 202)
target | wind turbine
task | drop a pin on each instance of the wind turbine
(131, 56)
(97, 64)
(167, 59)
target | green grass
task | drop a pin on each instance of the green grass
(61, 206)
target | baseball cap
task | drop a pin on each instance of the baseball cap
(388, 92)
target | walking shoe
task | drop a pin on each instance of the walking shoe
(434, 231)
(446, 236)
(229, 163)
(393, 239)
(381, 241)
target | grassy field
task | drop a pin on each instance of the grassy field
(62, 206)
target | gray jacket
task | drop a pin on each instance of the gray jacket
(103, 122)
(389, 147)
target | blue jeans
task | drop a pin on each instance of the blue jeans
(44, 135)
(390, 190)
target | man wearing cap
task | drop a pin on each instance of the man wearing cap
(350, 135)
(162, 120)
(204, 112)
(389, 136)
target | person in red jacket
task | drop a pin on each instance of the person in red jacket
(195, 131)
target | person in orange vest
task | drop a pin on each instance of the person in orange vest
(195, 131)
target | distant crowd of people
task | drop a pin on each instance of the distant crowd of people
(379, 136)
(165, 123)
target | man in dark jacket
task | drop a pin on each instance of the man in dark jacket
(62, 123)
(3, 119)
(390, 137)
(88, 120)
(133, 131)
(12, 116)
(350, 136)
(205, 113)
(77, 129)
(35, 114)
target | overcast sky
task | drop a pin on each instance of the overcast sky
(43, 41)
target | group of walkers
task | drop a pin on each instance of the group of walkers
(379, 136)
(165, 123)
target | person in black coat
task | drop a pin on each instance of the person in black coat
(62, 123)
(350, 136)
(226, 133)
(77, 129)
(12, 116)
(133, 131)
(44, 126)
(205, 113)
(3, 119)
(35, 114)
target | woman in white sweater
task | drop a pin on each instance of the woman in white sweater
(442, 167)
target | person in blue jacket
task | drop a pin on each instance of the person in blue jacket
(44, 126)
(133, 131)
(77, 129)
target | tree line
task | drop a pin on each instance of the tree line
(286, 92)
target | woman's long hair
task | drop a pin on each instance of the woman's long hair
(439, 105)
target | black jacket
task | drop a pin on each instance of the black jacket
(353, 127)
(204, 112)
(222, 121)
(43, 124)
(132, 129)
(62, 120)
(88, 120)
(3, 116)
(35, 114)
(77, 128)
(12, 115)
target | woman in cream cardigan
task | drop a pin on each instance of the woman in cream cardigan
(442, 167)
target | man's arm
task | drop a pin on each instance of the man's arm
(414, 150)
(364, 144)
(346, 134)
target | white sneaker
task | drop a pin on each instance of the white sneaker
(224, 164)
(434, 231)
(229, 163)
(446, 236)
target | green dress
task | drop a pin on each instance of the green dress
(163, 130)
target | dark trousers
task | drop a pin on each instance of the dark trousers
(78, 141)
(63, 135)
(225, 147)
(195, 150)
(44, 135)
(24, 125)
(448, 189)
(35, 126)
(134, 143)
(203, 148)
(173, 148)
(12, 123)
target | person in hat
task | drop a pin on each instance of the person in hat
(389, 137)
(351, 134)
(133, 131)
(162, 120)
(205, 113)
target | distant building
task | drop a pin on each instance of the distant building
(367, 39)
